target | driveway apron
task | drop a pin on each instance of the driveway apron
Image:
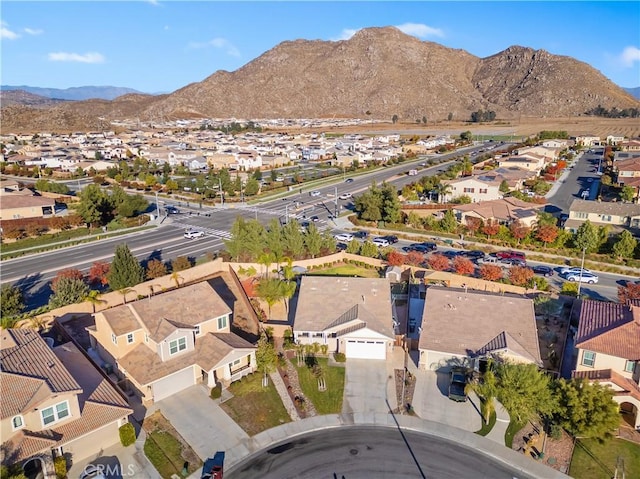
(363, 390)
(201, 421)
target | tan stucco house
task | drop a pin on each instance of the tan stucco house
(350, 315)
(608, 351)
(173, 340)
(461, 327)
(54, 402)
(618, 216)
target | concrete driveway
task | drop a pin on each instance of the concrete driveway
(365, 389)
(431, 402)
(201, 421)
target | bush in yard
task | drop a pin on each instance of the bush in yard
(339, 357)
(216, 391)
(60, 466)
(127, 434)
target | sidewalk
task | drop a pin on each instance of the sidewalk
(502, 422)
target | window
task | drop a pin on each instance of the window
(236, 362)
(55, 413)
(630, 366)
(588, 358)
(582, 216)
(17, 422)
(197, 330)
(606, 217)
(469, 190)
(146, 337)
(222, 322)
(129, 338)
(317, 335)
(114, 338)
(303, 335)
(177, 345)
(484, 190)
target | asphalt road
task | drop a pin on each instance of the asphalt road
(367, 452)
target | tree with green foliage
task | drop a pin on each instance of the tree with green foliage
(94, 297)
(391, 207)
(369, 204)
(94, 206)
(293, 239)
(486, 388)
(125, 270)
(569, 288)
(466, 136)
(180, 263)
(586, 409)
(313, 241)
(504, 187)
(69, 291)
(353, 247)
(442, 190)
(266, 355)
(252, 187)
(11, 301)
(524, 391)
(449, 223)
(274, 240)
(247, 240)
(369, 250)
(586, 237)
(625, 246)
(394, 119)
(270, 290)
(627, 193)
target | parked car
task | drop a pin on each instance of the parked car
(349, 180)
(589, 278)
(361, 234)
(380, 242)
(193, 234)
(451, 253)
(346, 237)
(345, 196)
(509, 262)
(391, 239)
(571, 269)
(314, 218)
(315, 193)
(473, 254)
(510, 254)
(420, 247)
(171, 210)
(543, 270)
(458, 384)
(341, 246)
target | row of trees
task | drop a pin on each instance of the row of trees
(379, 203)
(582, 408)
(99, 207)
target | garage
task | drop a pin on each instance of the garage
(173, 383)
(366, 349)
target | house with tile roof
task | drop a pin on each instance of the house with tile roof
(54, 402)
(608, 351)
(476, 188)
(173, 340)
(350, 315)
(618, 216)
(628, 173)
(462, 327)
(504, 211)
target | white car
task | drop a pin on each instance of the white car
(315, 193)
(589, 278)
(193, 234)
(345, 196)
(380, 242)
(345, 237)
(573, 269)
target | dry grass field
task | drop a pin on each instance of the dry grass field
(519, 127)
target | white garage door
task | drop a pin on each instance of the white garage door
(172, 384)
(363, 349)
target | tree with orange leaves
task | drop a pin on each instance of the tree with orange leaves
(463, 265)
(490, 272)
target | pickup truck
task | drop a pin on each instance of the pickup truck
(213, 467)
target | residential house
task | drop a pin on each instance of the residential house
(173, 340)
(614, 140)
(461, 327)
(587, 140)
(549, 154)
(475, 188)
(504, 211)
(630, 145)
(356, 320)
(54, 402)
(629, 173)
(618, 216)
(530, 162)
(555, 143)
(608, 351)
(513, 176)
(24, 204)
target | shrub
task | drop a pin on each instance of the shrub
(339, 357)
(60, 466)
(216, 391)
(127, 434)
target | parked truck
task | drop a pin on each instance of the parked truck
(213, 467)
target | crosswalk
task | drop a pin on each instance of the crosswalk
(209, 231)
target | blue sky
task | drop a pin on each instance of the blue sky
(160, 46)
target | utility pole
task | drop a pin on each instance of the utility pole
(584, 250)
(157, 207)
(336, 201)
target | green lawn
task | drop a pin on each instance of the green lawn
(346, 270)
(329, 401)
(165, 453)
(584, 466)
(253, 407)
(511, 431)
(487, 427)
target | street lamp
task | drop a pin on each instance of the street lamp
(584, 250)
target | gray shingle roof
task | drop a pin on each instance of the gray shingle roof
(599, 207)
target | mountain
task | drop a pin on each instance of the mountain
(21, 97)
(75, 93)
(378, 73)
(635, 92)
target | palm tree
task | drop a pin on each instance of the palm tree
(94, 298)
(467, 166)
(265, 259)
(177, 278)
(443, 189)
(486, 389)
(124, 292)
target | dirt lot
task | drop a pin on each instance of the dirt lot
(523, 126)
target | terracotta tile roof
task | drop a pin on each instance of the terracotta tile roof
(145, 366)
(629, 388)
(11, 201)
(475, 323)
(24, 352)
(187, 306)
(20, 392)
(364, 299)
(504, 209)
(610, 328)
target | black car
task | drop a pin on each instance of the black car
(361, 234)
(420, 247)
(458, 384)
(392, 239)
(451, 254)
(474, 254)
(341, 246)
(349, 180)
(543, 270)
(430, 246)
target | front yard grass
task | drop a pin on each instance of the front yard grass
(346, 270)
(599, 459)
(512, 430)
(254, 408)
(325, 402)
(488, 426)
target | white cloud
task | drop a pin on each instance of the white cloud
(91, 57)
(420, 30)
(346, 34)
(6, 33)
(33, 31)
(219, 43)
(629, 56)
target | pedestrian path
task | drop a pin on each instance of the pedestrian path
(502, 422)
(284, 395)
(209, 231)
